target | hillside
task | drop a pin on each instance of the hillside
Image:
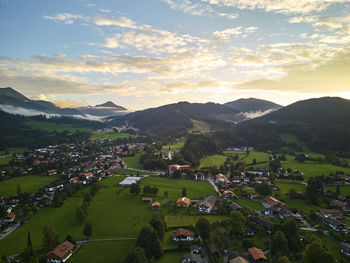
(110, 104)
(252, 105)
(322, 124)
(14, 102)
(178, 118)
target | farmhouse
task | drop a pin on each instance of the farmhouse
(177, 167)
(181, 234)
(257, 255)
(147, 200)
(61, 253)
(130, 180)
(183, 202)
(52, 172)
(239, 260)
(155, 205)
(270, 201)
(207, 204)
(192, 258)
(332, 222)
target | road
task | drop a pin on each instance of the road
(214, 186)
(12, 228)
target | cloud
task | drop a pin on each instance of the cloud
(103, 10)
(112, 21)
(227, 34)
(69, 103)
(25, 112)
(197, 9)
(256, 114)
(280, 6)
(67, 18)
(332, 76)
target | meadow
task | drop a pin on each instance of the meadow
(212, 160)
(258, 156)
(133, 161)
(28, 184)
(5, 160)
(108, 252)
(111, 135)
(177, 221)
(174, 146)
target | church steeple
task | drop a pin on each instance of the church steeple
(169, 153)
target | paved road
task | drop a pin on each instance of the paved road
(13, 228)
(214, 186)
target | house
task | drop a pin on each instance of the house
(229, 193)
(200, 176)
(74, 180)
(263, 223)
(206, 205)
(192, 258)
(61, 253)
(10, 218)
(147, 200)
(182, 234)
(177, 167)
(183, 202)
(257, 255)
(234, 206)
(269, 201)
(52, 172)
(332, 222)
(340, 204)
(248, 232)
(331, 212)
(156, 206)
(238, 260)
(345, 249)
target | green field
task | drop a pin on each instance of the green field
(311, 169)
(29, 184)
(12, 150)
(258, 156)
(112, 213)
(106, 252)
(134, 161)
(344, 189)
(174, 146)
(5, 160)
(128, 172)
(199, 127)
(195, 189)
(111, 135)
(173, 256)
(213, 160)
(63, 218)
(51, 127)
(245, 202)
(174, 221)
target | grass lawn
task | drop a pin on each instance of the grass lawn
(258, 156)
(311, 169)
(174, 146)
(212, 160)
(174, 221)
(195, 189)
(111, 135)
(245, 202)
(5, 160)
(286, 187)
(173, 256)
(344, 189)
(28, 184)
(199, 127)
(51, 127)
(12, 150)
(106, 252)
(133, 161)
(63, 218)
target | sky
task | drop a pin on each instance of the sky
(148, 53)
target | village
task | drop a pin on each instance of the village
(74, 168)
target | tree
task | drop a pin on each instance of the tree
(203, 226)
(149, 241)
(70, 239)
(338, 190)
(166, 193)
(283, 259)
(87, 197)
(94, 189)
(87, 230)
(29, 244)
(263, 189)
(19, 189)
(254, 161)
(50, 236)
(237, 223)
(184, 192)
(315, 253)
(80, 215)
(290, 230)
(279, 244)
(158, 223)
(135, 189)
(314, 190)
(136, 255)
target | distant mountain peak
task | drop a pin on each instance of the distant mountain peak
(10, 92)
(110, 104)
(252, 105)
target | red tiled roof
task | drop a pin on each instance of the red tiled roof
(257, 253)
